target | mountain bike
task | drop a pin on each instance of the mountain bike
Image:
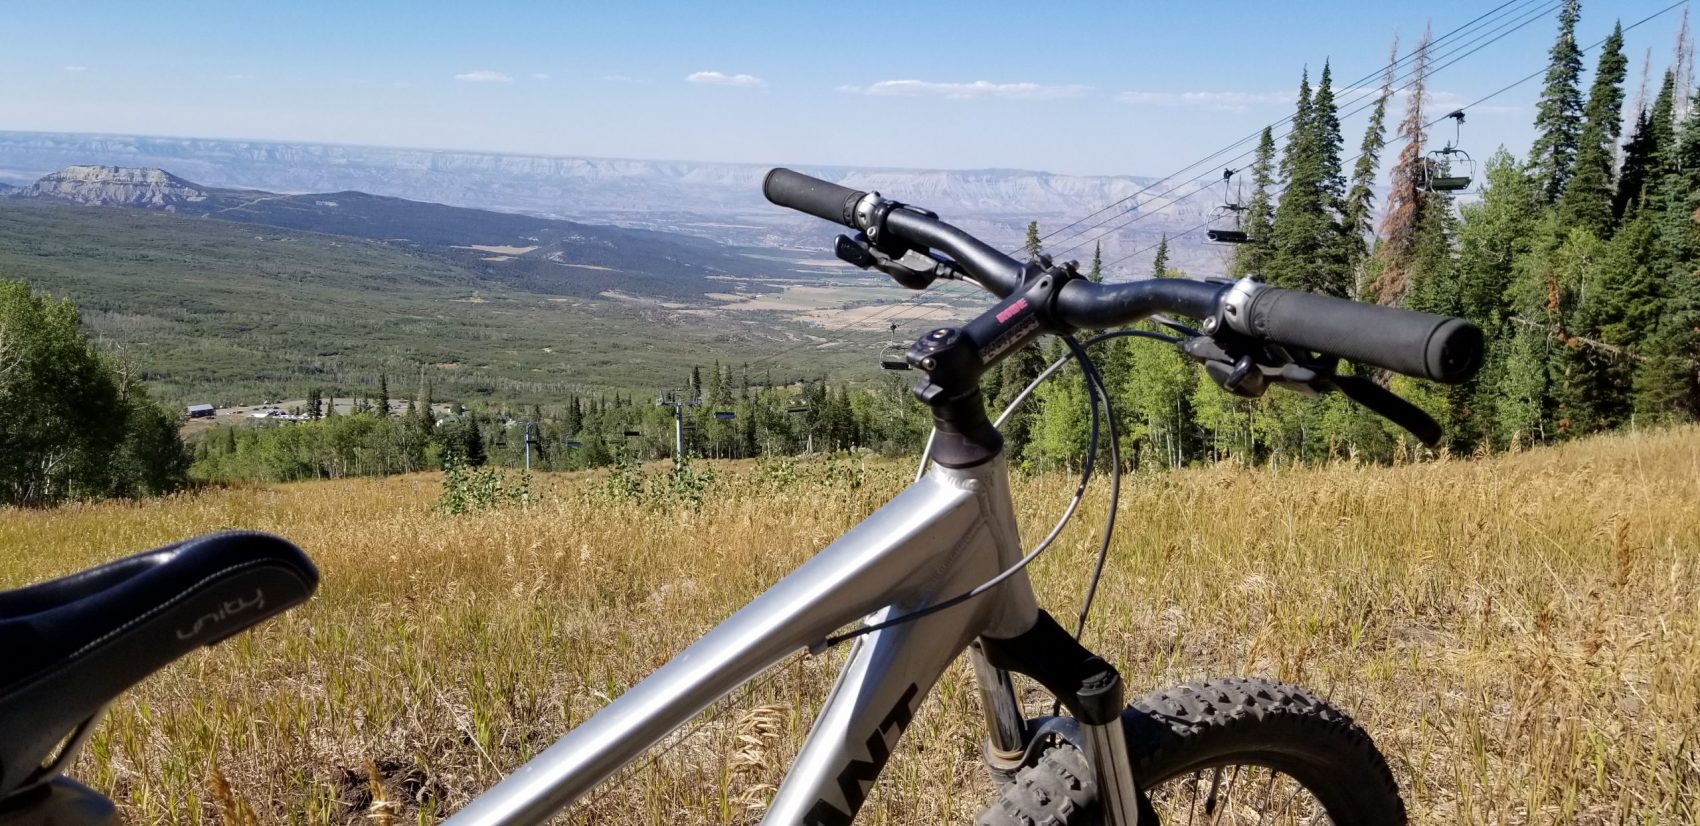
(935, 573)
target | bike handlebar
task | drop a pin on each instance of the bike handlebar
(1417, 344)
(1428, 346)
(804, 193)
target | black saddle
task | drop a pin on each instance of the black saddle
(70, 646)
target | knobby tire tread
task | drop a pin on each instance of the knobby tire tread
(1208, 723)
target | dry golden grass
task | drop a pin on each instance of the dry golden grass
(1518, 633)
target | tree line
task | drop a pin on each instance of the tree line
(726, 416)
(1579, 262)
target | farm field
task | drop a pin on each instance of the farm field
(1520, 633)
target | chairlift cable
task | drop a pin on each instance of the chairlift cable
(1254, 135)
(1363, 104)
(1466, 107)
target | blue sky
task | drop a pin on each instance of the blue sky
(1089, 87)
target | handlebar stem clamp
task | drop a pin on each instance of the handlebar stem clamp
(955, 358)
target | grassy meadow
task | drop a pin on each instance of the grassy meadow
(1520, 633)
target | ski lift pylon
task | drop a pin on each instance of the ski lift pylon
(1449, 168)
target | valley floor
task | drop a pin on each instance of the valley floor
(1520, 634)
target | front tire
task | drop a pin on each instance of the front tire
(1235, 750)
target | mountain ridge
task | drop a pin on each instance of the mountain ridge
(721, 201)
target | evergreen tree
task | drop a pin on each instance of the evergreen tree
(1558, 116)
(573, 418)
(1359, 207)
(1588, 196)
(1032, 244)
(1014, 374)
(1096, 273)
(1308, 252)
(315, 405)
(383, 394)
(1667, 380)
(1160, 264)
(1253, 258)
(1645, 154)
(1300, 128)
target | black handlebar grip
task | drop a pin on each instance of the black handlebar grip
(819, 198)
(1417, 344)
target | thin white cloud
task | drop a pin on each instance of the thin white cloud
(484, 76)
(723, 79)
(979, 89)
(541, 76)
(1226, 101)
(76, 68)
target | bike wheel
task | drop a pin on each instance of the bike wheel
(1225, 751)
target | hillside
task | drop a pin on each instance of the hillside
(538, 254)
(1519, 634)
(224, 312)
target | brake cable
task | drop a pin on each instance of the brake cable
(1098, 394)
(1076, 352)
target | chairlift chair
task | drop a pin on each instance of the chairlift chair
(1226, 220)
(891, 358)
(1449, 168)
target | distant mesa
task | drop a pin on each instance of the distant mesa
(116, 186)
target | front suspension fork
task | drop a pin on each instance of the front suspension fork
(1085, 683)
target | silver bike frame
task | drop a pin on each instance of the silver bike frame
(948, 532)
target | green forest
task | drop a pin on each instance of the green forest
(1579, 260)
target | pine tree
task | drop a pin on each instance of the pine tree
(1032, 244)
(1359, 207)
(1587, 199)
(1632, 175)
(1645, 154)
(384, 394)
(315, 406)
(1558, 117)
(1400, 224)
(573, 418)
(1253, 258)
(1096, 273)
(1014, 374)
(1308, 253)
(1667, 381)
(1300, 127)
(1160, 264)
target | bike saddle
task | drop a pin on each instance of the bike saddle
(70, 646)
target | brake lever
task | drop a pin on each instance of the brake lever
(860, 252)
(1246, 369)
(1390, 406)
